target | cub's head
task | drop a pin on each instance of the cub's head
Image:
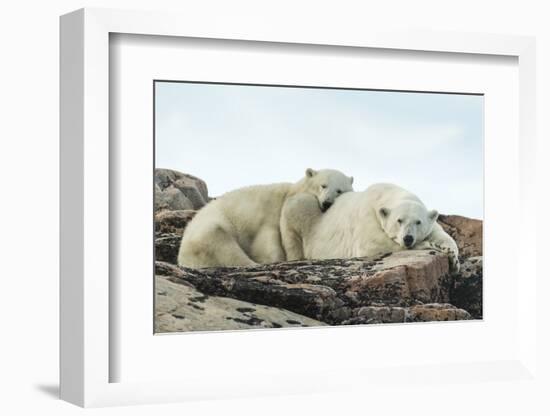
(327, 185)
(407, 224)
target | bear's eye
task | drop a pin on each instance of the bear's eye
(418, 222)
(339, 191)
(324, 186)
(399, 221)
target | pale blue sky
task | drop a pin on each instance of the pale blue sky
(232, 136)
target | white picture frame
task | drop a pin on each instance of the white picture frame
(85, 218)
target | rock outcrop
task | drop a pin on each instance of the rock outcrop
(419, 313)
(395, 288)
(180, 307)
(407, 286)
(179, 191)
(467, 287)
(169, 227)
(167, 247)
(173, 222)
(467, 232)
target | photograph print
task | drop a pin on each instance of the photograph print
(290, 206)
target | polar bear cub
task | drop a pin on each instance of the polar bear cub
(241, 228)
(383, 219)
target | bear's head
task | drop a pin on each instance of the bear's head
(327, 185)
(408, 223)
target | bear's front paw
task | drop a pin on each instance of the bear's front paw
(452, 252)
(427, 245)
(455, 263)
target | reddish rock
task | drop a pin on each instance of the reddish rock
(467, 232)
(418, 313)
(167, 222)
(435, 312)
(378, 315)
(404, 277)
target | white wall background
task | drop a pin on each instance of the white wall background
(29, 209)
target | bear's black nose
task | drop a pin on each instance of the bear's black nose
(408, 240)
(326, 205)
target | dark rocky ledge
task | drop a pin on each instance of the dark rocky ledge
(401, 287)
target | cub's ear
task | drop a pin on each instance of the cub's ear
(433, 214)
(384, 212)
(351, 180)
(310, 172)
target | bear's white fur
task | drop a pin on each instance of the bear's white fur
(383, 219)
(241, 228)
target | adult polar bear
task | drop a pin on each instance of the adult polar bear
(383, 219)
(241, 228)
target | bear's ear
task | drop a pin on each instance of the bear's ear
(351, 180)
(310, 172)
(384, 212)
(433, 214)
